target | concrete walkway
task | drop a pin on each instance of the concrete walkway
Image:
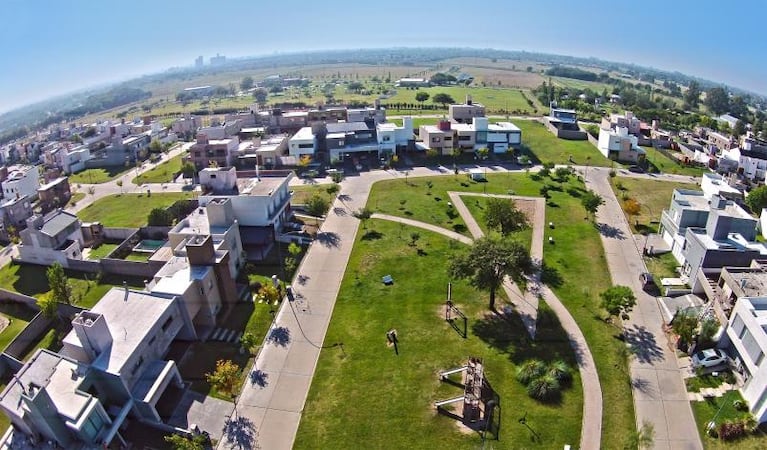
(425, 226)
(660, 397)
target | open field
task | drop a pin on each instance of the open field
(387, 399)
(665, 165)
(578, 245)
(129, 210)
(653, 195)
(547, 148)
(97, 176)
(162, 173)
(494, 99)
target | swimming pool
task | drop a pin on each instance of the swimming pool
(149, 245)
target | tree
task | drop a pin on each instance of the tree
(443, 99)
(317, 206)
(739, 129)
(188, 170)
(181, 442)
(692, 95)
(414, 237)
(304, 160)
(249, 341)
(268, 293)
(717, 100)
(363, 214)
(421, 96)
(48, 305)
(562, 173)
(355, 86)
(489, 261)
(155, 146)
(618, 301)
(642, 438)
(757, 199)
(246, 83)
(632, 207)
(61, 289)
(225, 377)
(261, 95)
(591, 201)
(159, 217)
(503, 215)
(685, 325)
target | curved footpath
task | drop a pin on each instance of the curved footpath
(660, 396)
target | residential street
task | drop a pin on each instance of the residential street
(660, 397)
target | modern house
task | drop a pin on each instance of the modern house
(564, 123)
(350, 137)
(218, 152)
(21, 181)
(750, 164)
(302, 143)
(745, 339)
(261, 150)
(688, 208)
(438, 137)
(619, 145)
(259, 205)
(54, 194)
(626, 120)
(51, 238)
(393, 138)
(497, 137)
(375, 114)
(466, 112)
(221, 131)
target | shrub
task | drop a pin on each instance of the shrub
(530, 370)
(561, 371)
(544, 388)
(732, 430)
(612, 173)
(740, 405)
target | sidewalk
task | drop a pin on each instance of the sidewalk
(660, 396)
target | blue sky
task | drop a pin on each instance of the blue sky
(50, 47)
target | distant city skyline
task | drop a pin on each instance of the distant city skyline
(49, 48)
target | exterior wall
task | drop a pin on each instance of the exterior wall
(24, 185)
(34, 329)
(465, 113)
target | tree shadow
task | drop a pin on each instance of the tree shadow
(328, 239)
(641, 385)
(573, 192)
(421, 252)
(610, 231)
(240, 432)
(550, 276)
(258, 378)
(344, 197)
(339, 211)
(459, 228)
(371, 235)
(642, 344)
(279, 336)
(302, 279)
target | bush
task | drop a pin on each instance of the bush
(560, 371)
(530, 370)
(612, 173)
(740, 405)
(732, 430)
(544, 388)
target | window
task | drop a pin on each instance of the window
(167, 323)
(305, 145)
(386, 138)
(759, 359)
(213, 175)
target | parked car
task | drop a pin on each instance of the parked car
(711, 357)
(636, 169)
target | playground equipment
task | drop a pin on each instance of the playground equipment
(473, 392)
(452, 313)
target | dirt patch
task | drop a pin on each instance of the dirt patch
(527, 207)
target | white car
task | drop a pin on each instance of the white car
(711, 357)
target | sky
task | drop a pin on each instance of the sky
(52, 47)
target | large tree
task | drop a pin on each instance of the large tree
(160, 217)
(489, 261)
(757, 199)
(443, 99)
(61, 290)
(717, 100)
(421, 96)
(246, 83)
(692, 95)
(503, 215)
(261, 95)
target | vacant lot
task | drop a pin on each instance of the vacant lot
(653, 196)
(547, 148)
(97, 176)
(128, 210)
(161, 174)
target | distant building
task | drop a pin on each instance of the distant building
(199, 62)
(52, 238)
(55, 194)
(412, 82)
(217, 60)
(219, 152)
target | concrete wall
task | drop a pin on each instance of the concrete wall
(114, 234)
(131, 268)
(36, 328)
(18, 298)
(571, 135)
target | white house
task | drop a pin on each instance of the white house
(746, 340)
(751, 164)
(619, 145)
(714, 184)
(21, 181)
(302, 143)
(55, 237)
(390, 135)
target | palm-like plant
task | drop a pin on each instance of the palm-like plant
(530, 370)
(561, 371)
(544, 388)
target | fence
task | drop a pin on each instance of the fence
(34, 329)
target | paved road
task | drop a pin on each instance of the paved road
(660, 397)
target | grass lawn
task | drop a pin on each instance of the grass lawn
(19, 316)
(578, 245)
(76, 197)
(161, 174)
(51, 340)
(666, 165)
(243, 317)
(662, 266)
(477, 205)
(30, 279)
(363, 392)
(695, 384)
(128, 210)
(494, 99)
(96, 176)
(705, 411)
(102, 251)
(547, 148)
(653, 195)
(301, 194)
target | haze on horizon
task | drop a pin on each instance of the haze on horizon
(51, 48)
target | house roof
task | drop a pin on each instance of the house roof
(57, 222)
(345, 127)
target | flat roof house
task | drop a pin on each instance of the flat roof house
(54, 237)
(619, 145)
(465, 113)
(21, 181)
